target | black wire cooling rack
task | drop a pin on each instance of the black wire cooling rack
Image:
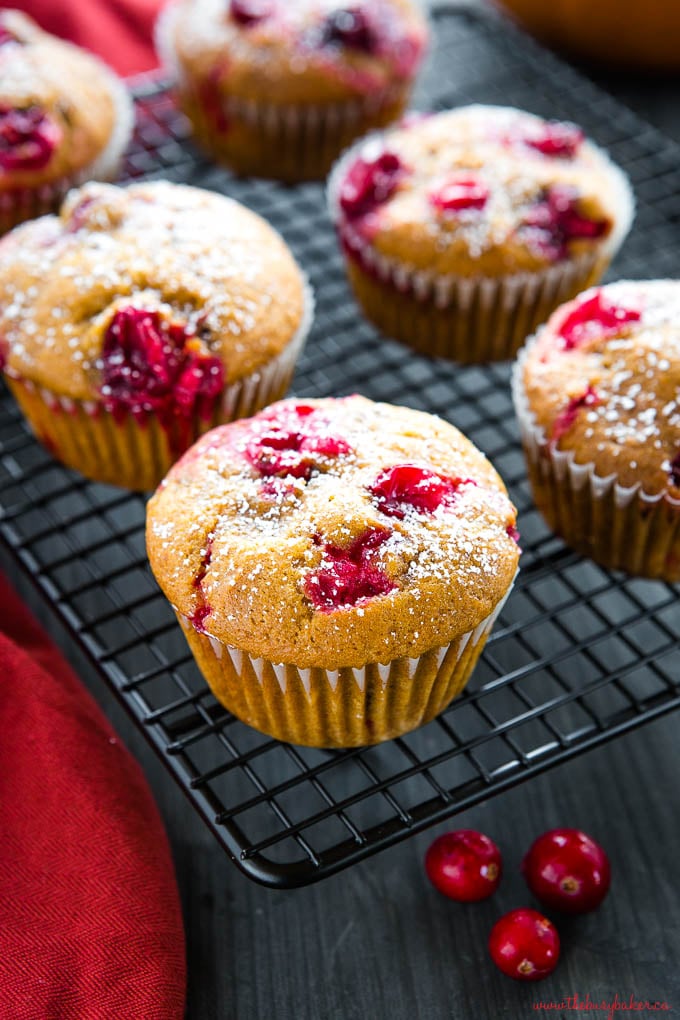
(579, 654)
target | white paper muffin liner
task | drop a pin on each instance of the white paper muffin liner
(293, 141)
(136, 451)
(468, 318)
(20, 204)
(620, 527)
(346, 707)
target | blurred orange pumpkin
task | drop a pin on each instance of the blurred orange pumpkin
(622, 33)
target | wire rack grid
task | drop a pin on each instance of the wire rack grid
(578, 656)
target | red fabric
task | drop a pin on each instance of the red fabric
(119, 31)
(90, 922)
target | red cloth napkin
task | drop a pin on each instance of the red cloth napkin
(90, 922)
(119, 31)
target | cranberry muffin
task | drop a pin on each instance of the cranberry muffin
(278, 88)
(597, 394)
(463, 230)
(141, 317)
(336, 566)
(64, 118)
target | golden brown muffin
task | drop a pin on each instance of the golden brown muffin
(597, 394)
(336, 565)
(463, 230)
(140, 318)
(278, 88)
(64, 118)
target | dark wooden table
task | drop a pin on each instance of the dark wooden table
(377, 943)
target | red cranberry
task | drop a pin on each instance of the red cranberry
(6, 36)
(292, 443)
(596, 317)
(369, 184)
(250, 12)
(554, 221)
(524, 945)
(464, 865)
(514, 533)
(674, 471)
(347, 575)
(203, 611)
(350, 27)
(459, 193)
(27, 138)
(556, 138)
(407, 486)
(566, 419)
(567, 870)
(153, 364)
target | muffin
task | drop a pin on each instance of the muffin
(463, 230)
(597, 394)
(279, 88)
(140, 318)
(64, 118)
(336, 566)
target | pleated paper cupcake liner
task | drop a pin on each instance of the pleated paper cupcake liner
(135, 451)
(20, 204)
(623, 528)
(288, 142)
(469, 319)
(347, 707)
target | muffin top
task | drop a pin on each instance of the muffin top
(59, 106)
(146, 298)
(333, 533)
(479, 191)
(602, 381)
(294, 51)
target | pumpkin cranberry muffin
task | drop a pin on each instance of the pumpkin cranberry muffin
(278, 88)
(336, 566)
(141, 317)
(597, 393)
(463, 230)
(64, 118)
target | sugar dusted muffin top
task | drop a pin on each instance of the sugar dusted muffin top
(296, 51)
(602, 381)
(129, 287)
(333, 533)
(59, 107)
(479, 191)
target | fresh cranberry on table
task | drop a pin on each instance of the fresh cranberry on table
(350, 27)
(464, 865)
(250, 12)
(369, 183)
(407, 486)
(567, 870)
(28, 138)
(555, 138)
(459, 193)
(524, 945)
(595, 318)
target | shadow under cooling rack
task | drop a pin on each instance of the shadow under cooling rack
(579, 654)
